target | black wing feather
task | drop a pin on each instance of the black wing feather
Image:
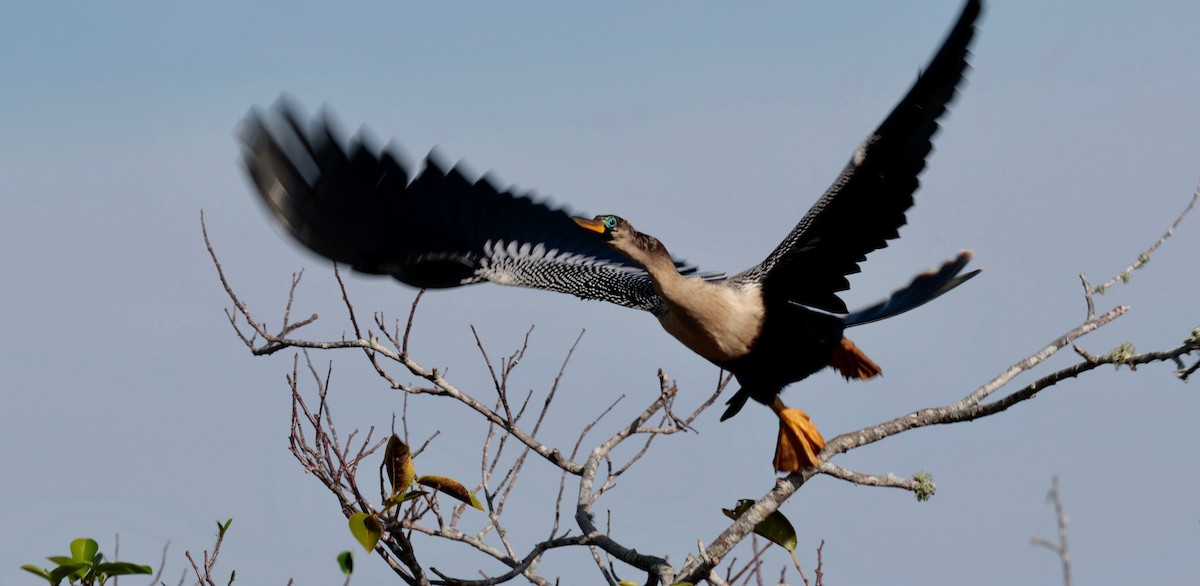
(361, 207)
(864, 208)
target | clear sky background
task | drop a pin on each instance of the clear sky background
(131, 408)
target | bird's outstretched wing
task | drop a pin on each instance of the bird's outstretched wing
(865, 207)
(362, 207)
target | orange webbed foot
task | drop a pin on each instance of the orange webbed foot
(799, 441)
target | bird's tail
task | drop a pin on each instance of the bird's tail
(850, 362)
(736, 402)
(924, 288)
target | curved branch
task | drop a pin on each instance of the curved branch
(654, 565)
(1144, 257)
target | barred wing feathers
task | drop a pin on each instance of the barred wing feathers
(361, 207)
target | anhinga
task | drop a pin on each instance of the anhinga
(770, 325)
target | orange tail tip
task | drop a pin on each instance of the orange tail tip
(852, 363)
(799, 441)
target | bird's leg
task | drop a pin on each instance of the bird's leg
(799, 441)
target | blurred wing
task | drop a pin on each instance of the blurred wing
(865, 207)
(361, 207)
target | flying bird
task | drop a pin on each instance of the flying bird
(770, 325)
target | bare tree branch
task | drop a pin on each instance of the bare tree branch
(1144, 257)
(204, 573)
(1059, 548)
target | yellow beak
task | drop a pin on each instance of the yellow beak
(593, 225)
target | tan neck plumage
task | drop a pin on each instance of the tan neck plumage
(716, 321)
(653, 256)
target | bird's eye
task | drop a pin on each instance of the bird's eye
(610, 222)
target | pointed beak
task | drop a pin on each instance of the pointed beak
(593, 225)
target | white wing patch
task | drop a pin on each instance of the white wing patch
(860, 153)
(529, 264)
(499, 255)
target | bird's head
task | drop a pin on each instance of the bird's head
(609, 227)
(620, 235)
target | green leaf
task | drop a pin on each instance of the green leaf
(221, 529)
(32, 569)
(346, 562)
(122, 569)
(776, 527)
(84, 549)
(366, 529)
(61, 560)
(628, 583)
(451, 487)
(57, 574)
(408, 496)
(397, 458)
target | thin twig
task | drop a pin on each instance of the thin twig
(1144, 257)
(1059, 548)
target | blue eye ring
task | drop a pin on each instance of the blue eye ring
(610, 222)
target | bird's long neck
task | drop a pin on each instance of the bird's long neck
(714, 320)
(647, 251)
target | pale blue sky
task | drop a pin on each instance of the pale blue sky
(132, 408)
